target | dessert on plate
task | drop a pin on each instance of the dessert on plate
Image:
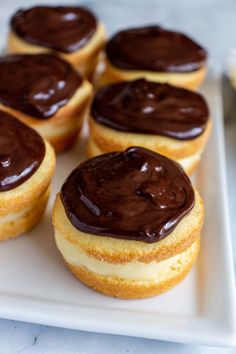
(128, 224)
(156, 54)
(72, 32)
(46, 93)
(27, 164)
(166, 119)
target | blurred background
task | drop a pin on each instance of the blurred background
(211, 22)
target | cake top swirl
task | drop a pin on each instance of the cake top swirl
(155, 49)
(147, 107)
(21, 152)
(62, 28)
(37, 85)
(136, 194)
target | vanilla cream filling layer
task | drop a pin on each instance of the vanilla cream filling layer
(186, 162)
(134, 270)
(12, 217)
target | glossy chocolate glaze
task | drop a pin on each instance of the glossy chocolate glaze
(62, 28)
(147, 107)
(155, 49)
(38, 85)
(21, 152)
(136, 194)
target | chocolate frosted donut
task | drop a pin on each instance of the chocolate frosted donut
(136, 195)
(155, 49)
(147, 107)
(65, 29)
(21, 152)
(38, 85)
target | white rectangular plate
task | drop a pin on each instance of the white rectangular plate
(35, 285)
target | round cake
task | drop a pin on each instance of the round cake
(166, 119)
(27, 164)
(72, 32)
(128, 223)
(46, 93)
(155, 53)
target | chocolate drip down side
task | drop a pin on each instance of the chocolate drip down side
(146, 107)
(37, 85)
(154, 48)
(21, 152)
(136, 194)
(62, 28)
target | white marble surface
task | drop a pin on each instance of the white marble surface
(212, 22)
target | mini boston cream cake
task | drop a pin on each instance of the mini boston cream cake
(27, 164)
(166, 119)
(155, 53)
(46, 93)
(73, 33)
(128, 223)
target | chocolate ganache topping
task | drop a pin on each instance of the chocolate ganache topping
(63, 28)
(21, 152)
(38, 85)
(147, 107)
(156, 49)
(136, 194)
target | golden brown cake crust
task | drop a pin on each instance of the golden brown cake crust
(25, 222)
(113, 74)
(108, 140)
(92, 151)
(128, 289)
(119, 251)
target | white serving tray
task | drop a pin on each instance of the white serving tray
(35, 286)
